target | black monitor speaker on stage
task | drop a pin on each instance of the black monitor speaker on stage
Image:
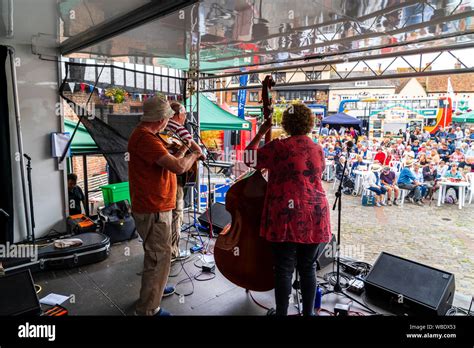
(407, 287)
(325, 253)
(220, 217)
(18, 295)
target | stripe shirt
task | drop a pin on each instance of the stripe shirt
(175, 128)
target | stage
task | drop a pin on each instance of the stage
(111, 287)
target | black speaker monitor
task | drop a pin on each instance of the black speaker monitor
(326, 253)
(18, 295)
(220, 217)
(409, 287)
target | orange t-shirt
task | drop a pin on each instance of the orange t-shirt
(152, 187)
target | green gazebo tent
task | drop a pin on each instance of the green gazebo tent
(213, 117)
(468, 117)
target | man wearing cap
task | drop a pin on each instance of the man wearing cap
(407, 181)
(387, 177)
(152, 176)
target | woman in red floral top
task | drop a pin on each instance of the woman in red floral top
(296, 212)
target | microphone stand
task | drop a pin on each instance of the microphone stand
(207, 165)
(30, 190)
(337, 288)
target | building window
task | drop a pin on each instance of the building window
(279, 76)
(101, 111)
(254, 78)
(361, 83)
(234, 97)
(312, 75)
(136, 109)
(253, 97)
(293, 95)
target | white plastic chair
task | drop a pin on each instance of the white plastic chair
(403, 194)
(470, 189)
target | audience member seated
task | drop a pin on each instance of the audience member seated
(380, 156)
(340, 167)
(457, 156)
(422, 159)
(372, 182)
(407, 181)
(433, 156)
(429, 176)
(418, 173)
(387, 177)
(454, 174)
(444, 153)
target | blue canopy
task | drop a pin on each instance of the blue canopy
(342, 119)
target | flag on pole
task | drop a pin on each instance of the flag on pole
(450, 89)
(242, 95)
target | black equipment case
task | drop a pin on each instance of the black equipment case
(95, 248)
(117, 223)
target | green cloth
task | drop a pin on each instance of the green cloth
(213, 117)
(82, 141)
(468, 117)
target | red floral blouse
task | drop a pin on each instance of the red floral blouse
(296, 208)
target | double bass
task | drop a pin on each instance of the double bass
(241, 255)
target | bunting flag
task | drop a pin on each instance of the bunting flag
(71, 86)
(145, 97)
(91, 88)
(83, 87)
(99, 90)
(140, 97)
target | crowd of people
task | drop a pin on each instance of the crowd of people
(414, 160)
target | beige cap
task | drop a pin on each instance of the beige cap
(376, 167)
(156, 109)
(409, 162)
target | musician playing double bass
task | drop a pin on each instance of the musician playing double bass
(295, 216)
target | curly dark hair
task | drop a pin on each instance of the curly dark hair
(298, 119)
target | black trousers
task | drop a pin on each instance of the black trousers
(287, 256)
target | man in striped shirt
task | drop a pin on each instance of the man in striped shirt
(175, 126)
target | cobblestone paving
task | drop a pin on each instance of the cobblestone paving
(441, 237)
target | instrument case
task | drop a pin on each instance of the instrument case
(95, 248)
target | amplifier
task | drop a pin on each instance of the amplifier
(407, 287)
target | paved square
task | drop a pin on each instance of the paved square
(440, 237)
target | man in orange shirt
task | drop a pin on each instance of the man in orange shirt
(152, 176)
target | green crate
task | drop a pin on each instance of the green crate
(115, 192)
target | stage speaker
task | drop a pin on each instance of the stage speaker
(18, 294)
(220, 217)
(407, 287)
(326, 253)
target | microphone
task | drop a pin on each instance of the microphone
(191, 123)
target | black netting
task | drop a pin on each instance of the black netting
(111, 131)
